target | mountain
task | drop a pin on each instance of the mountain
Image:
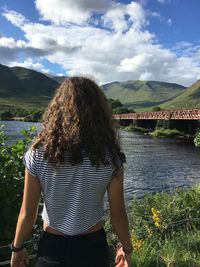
(188, 99)
(142, 94)
(24, 88)
(31, 90)
(58, 79)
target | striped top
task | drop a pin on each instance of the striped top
(72, 194)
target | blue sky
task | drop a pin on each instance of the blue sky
(105, 39)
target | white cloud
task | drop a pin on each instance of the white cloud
(7, 42)
(14, 17)
(30, 64)
(146, 76)
(78, 11)
(123, 17)
(10, 48)
(169, 22)
(121, 49)
(161, 64)
(186, 49)
(163, 1)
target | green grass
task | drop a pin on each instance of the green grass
(133, 128)
(24, 88)
(142, 94)
(188, 99)
(165, 229)
(162, 132)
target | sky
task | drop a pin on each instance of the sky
(106, 40)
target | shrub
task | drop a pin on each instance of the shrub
(197, 138)
(11, 181)
(162, 132)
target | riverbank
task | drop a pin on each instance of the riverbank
(23, 119)
(164, 226)
(12, 119)
(160, 132)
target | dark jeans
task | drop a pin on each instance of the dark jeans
(89, 250)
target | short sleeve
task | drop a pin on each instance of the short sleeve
(30, 162)
(116, 165)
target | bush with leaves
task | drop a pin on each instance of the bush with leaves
(197, 138)
(165, 229)
(11, 181)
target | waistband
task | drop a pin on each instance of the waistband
(73, 237)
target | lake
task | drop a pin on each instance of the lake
(153, 164)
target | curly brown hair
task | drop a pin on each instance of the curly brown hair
(79, 118)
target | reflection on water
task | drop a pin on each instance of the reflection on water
(158, 164)
(152, 164)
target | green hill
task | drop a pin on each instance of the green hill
(142, 94)
(58, 79)
(188, 99)
(24, 88)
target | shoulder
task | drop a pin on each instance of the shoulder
(33, 158)
(34, 153)
(116, 161)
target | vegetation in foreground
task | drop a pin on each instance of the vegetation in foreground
(11, 185)
(165, 227)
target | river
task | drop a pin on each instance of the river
(153, 164)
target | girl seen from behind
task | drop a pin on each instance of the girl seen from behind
(72, 162)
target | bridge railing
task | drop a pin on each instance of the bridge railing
(181, 114)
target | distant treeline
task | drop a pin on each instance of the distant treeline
(36, 115)
(21, 114)
(118, 108)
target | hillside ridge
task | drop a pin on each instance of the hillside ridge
(29, 89)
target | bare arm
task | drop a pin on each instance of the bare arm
(118, 214)
(26, 219)
(29, 209)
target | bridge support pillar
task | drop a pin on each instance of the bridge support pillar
(163, 124)
(147, 124)
(125, 122)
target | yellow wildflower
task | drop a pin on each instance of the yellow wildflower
(149, 230)
(137, 243)
(156, 217)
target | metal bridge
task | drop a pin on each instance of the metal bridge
(180, 114)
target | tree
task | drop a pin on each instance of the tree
(6, 115)
(115, 103)
(121, 110)
(156, 108)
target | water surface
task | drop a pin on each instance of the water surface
(152, 164)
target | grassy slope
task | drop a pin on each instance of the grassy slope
(29, 89)
(58, 79)
(188, 99)
(24, 88)
(140, 94)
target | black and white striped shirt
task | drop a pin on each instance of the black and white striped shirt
(73, 194)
